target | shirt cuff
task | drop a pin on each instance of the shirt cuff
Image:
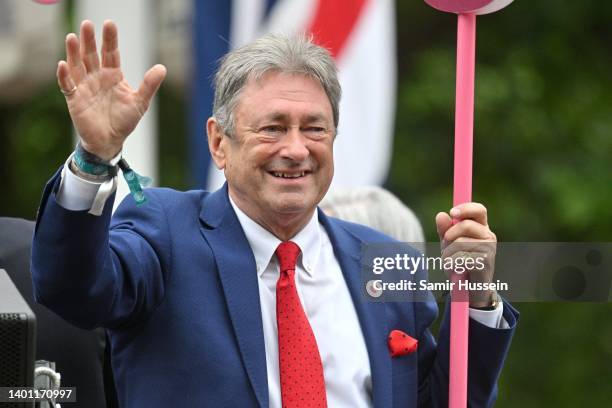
(490, 318)
(77, 194)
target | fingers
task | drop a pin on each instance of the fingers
(473, 211)
(443, 223)
(475, 258)
(89, 52)
(470, 246)
(110, 45)
(468, 229)
(73, 58)
(64, 80)
(469, 221)
(82, 54)
(150, 84)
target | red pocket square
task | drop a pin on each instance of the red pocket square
(401, 344)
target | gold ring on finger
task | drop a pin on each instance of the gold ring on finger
(70, 92)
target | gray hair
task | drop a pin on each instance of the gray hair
(376, 208)
(272, 52)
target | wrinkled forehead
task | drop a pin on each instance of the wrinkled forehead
(261, 91)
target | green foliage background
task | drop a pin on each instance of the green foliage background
(543, 153)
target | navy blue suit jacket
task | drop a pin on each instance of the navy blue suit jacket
(175, 284)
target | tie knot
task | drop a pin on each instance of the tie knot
(287, 253)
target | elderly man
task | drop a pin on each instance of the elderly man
(247, 296)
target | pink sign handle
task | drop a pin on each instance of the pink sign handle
(462, 193)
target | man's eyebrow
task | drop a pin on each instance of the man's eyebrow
(313, 117)
(317, 117)
(275, 116)
(284, 117)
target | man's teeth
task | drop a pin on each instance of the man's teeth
(288, 175)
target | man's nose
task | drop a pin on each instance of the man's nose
(294, 145)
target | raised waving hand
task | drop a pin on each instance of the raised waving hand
(102, 105)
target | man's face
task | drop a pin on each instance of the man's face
(279, 162)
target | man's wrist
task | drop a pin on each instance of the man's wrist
(491, 302)
(104, 156)
(90, 163)
(91, 167)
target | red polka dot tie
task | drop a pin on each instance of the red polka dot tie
(301, 370)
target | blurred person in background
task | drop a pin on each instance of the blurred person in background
(377, 208)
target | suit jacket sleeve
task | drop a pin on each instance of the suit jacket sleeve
(488, 348)
(93, 275)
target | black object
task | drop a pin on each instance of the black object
(17, 338)
(78, 354)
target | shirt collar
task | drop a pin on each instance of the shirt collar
(263, 243)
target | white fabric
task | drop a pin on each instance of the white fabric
(75, 193)
(491, 318)
(78, 194)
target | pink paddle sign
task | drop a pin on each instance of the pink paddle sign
(462, 184)
(469, 6)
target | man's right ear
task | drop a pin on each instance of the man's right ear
(216, 143)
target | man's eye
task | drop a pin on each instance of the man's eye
(273, 129)
(315, 129)
(315, 132)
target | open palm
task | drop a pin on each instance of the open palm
(102, 105)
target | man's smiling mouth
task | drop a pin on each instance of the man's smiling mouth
(289, 175)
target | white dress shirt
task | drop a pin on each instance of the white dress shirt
(328, 305)
(323, 293)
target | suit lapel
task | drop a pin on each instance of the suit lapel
(237, 271)
(372, 317)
